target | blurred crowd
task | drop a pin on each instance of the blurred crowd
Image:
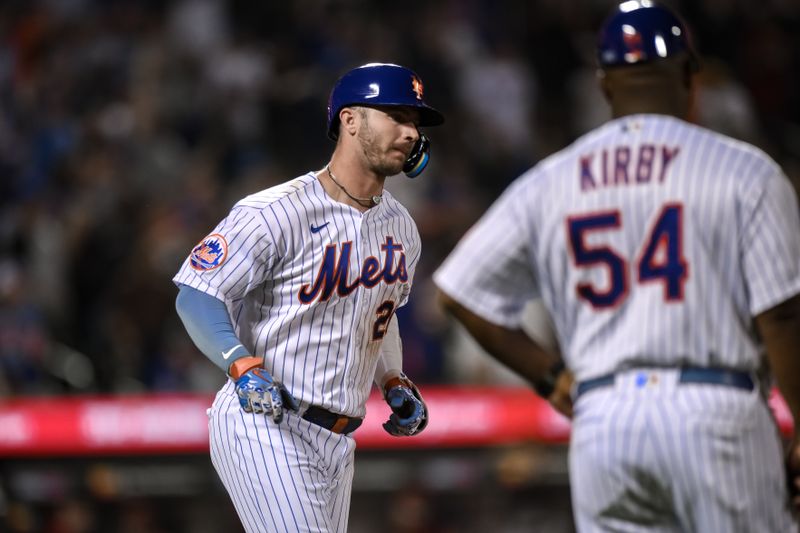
(128, 128)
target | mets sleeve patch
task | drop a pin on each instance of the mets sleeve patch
(209, 253)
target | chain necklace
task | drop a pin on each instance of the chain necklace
(365, 202)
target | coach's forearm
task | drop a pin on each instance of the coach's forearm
(512, 347)
(780, 331)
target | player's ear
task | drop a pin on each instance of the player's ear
(348, 120)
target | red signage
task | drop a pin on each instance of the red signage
(177, 423)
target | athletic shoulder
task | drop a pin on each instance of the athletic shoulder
(288, 190)
(394, 205)
(763, 164)
(751, 162)
(393, 208)
(746, 164)
(733, 145)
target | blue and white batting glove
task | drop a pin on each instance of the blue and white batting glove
(409, 411)
(258, 391)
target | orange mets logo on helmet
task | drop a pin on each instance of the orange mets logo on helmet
(209, 253)
(633, 42)
(417, 87)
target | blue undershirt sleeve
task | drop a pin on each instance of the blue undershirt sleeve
(208, 324)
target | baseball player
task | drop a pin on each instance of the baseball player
(668, 256)
(293, 295)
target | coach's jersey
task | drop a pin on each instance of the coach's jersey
(652, 241)
(311, 285)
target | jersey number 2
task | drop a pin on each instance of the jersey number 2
(661, 258)
(384, 315)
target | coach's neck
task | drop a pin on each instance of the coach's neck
(662, 88)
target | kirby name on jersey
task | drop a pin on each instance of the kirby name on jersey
(625, 166)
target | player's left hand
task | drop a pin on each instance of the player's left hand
(259, 393)
(409, 411)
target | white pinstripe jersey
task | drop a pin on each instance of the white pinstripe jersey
(310, 284)
(652, 242)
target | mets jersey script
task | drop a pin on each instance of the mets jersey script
(651, 241)
(311, 285)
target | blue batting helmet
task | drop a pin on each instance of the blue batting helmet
(642, 31)
(379, 84)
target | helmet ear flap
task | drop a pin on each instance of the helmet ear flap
(419, 157)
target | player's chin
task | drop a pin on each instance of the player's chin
(392, 165)
(399, 158)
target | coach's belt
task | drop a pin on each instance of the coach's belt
(688, 374)
(331, 421)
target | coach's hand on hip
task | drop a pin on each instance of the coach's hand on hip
(561, 397)
(258, 391)
(409, 411)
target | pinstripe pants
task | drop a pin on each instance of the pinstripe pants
(289, 477)
(650, 454)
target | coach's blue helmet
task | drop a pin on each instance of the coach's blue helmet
(642, 31)
(377, 84)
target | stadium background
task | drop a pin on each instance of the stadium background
(128, 129)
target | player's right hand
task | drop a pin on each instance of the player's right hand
(259, 393)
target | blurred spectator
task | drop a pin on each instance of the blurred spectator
(72, 516)
(24, 336)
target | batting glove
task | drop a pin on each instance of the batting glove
(258, 391)
(409, 412)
